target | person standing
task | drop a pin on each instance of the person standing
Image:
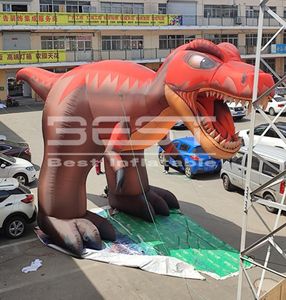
(98, 167)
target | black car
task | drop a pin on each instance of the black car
(10, 148)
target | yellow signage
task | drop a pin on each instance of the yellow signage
(31, 56)
(85, 19)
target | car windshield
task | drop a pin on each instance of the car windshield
(24, 189)
(8, 158)
(279, 99)
(198, 149)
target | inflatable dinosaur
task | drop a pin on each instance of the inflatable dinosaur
(116, 109)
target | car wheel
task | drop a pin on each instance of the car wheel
(15, 227)
(269, 197)
(161, 158)
(271, 111)
(22, 178)
(188, 171)
(226, 183)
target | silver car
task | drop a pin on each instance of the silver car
(233, 172)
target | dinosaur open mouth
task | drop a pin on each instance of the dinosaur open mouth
(214, 117)
(206, 113)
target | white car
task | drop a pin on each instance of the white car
(18, 168)
(2, 137)
(17, 207)
(238, 111)
(275, 105)
(271, 138)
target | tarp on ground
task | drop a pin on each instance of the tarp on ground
(173, 245)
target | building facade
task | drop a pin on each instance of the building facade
(61, 34)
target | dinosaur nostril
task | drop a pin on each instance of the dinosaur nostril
(243, 78)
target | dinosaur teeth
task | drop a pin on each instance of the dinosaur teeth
(222, 143)
(213, 133)
(217, 138)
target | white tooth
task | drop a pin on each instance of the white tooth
(217, 138)
(213, 133)
(209, 130)
(207, 93)
(222, 143)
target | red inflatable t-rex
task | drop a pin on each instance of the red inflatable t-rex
(139, 106)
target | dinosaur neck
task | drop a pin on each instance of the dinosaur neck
(155, 101)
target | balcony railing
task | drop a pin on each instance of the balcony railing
(98, 19)
(14, 57)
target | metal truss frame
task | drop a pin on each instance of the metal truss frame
(250, 197)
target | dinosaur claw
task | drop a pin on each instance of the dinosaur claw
(119, 174)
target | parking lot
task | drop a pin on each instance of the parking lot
(63, 277)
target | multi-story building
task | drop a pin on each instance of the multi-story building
(61, 34)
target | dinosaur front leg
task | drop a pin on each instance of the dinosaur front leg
(136, 196)
(62, 198)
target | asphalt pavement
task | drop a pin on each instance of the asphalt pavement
(64, 277)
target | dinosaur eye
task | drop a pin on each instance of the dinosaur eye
(201, 62)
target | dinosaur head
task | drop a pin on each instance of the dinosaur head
(200, 78)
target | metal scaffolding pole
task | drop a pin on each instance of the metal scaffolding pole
(250, 197)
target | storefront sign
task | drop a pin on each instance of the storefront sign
(85, 19)
(32, 56)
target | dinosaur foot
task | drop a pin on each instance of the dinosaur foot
(75, 234)
(159, 201)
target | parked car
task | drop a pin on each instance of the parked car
(233, 172)
(275, 105)
(238, 111)
(18, 168)
(10, 148)
(194, 159)
(17, 207)
(2, 137)
(271, 138)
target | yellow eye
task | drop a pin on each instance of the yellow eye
(201, 62)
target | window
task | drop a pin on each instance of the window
(251, 40)
(271, 133)
(252, 12)
(270, 171)
(73, 43)
(3, 195)
(68, 5)
(219, 38)
(254, 163)
(184, 147)
(15, 7)
(220, 11)
(173, 41)
(198, 149)
(259, 130)
(237, 159)
(162, 8)
(53, 42)
(7, 7)
(122, 42)
(122, 7)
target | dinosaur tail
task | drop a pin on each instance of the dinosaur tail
(40, 80)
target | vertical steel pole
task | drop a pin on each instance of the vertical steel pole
(247, 197)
